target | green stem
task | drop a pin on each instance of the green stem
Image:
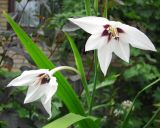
(95, 81)
(53, 71)
(105, 12)
(152, 118)
(125, 122)
(87, 7)
(96, 7)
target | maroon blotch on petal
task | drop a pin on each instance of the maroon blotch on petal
(105, 33)
(45, 80)
(106, 26)
(119, 30)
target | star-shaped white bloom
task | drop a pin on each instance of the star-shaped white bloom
(111, 36)
(41, 85)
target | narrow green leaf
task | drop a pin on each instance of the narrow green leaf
(80, 67)
(67, 120)
(87, 7)
(152, 118)
(94, 81)
(96, 7)
(105, 13)
(65, 91)
(98, 107)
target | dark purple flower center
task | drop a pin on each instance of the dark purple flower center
(44, 78)
(111, 32)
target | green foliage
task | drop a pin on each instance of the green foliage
(67, 120)
(7, 74)
(141, 69)
(79, 65)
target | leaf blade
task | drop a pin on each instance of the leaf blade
(67, 120)
(80, 66)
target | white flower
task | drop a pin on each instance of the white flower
(111, 36)
(118, 112)
(41, 85)
(127, 104)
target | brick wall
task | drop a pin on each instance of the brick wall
(20, 60)
(3, 7)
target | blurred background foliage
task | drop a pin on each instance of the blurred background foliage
(115, 91)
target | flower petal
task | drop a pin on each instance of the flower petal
(21, 82)
(104, 57)
(27, 77)
(34, 72)
(90, 24)
(47, 106)
(34, 93)
(121, 49)
(137, 38)
(95, 41)
(51, 89)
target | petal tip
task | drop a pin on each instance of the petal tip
(26, 101)
(104, 73)
(9, 85)
(71, 19)
(127, 60)
(50, 116)
(154, 49)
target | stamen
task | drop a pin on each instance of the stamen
(111, 32)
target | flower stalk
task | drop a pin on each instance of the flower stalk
(87, 7)
(53, 71)
(105, 12)
(95, 81)
(96, 7)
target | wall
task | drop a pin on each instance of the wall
(3, 7)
